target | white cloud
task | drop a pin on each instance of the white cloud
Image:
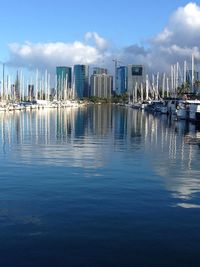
(188, 16)
(100, 42)
(52, 54)
(178, 40)
(183, 28)
(164, 36)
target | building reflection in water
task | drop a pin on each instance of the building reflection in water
(80, 138)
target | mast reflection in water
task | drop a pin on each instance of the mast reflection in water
(98, 186)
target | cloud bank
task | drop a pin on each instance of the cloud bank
(49, 55)
(177, 41)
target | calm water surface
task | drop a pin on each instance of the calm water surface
(98, 186)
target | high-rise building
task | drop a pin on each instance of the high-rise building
(101, 85)
(81, 81)
(64, 80)
(97, 70)
(17, 87)
(122, 80)
(135, 76)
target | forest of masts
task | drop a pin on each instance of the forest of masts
(39, 87)
(179, 81)
(47, 87)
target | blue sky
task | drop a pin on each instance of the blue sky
(120, 23)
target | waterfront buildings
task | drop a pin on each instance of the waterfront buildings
(97, 70)
(101, 85)
(69, 83)
(15, 91)
(81, 81)
(135, 76)
(122, 80)
(135, 81)
(64, 81)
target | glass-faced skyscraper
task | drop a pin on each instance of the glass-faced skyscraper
(122, 80)
(64, 73)
(81, 80)
(64, 80)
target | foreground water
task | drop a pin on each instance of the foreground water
(98, 186)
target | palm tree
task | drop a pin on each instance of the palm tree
(183, 89)
(197, 83)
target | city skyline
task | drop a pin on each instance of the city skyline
(64, 35)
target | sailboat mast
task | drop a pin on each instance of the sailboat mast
(153, 85)
(174, 80)
(136, 88)
(3, 81)
(49, 85)
(192, 73)
(46, 85)
(142, 97)
(167, 87)
(185, 72)
(157, 85)
(147, 87)
(36, 85)
(163, 85)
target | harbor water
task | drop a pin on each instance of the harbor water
(101, 185)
